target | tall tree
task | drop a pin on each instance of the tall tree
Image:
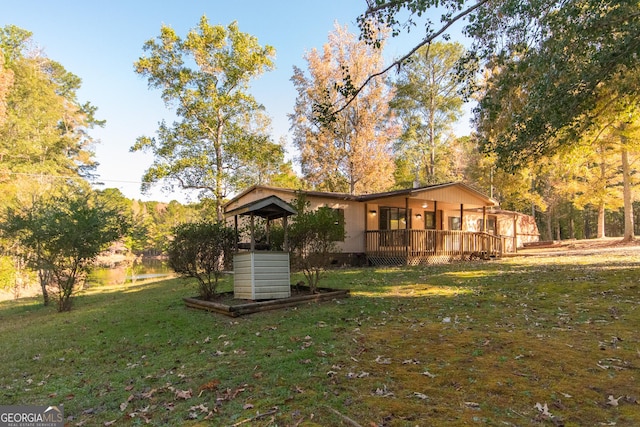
(576, 44)
(6, 81)
(44, 128)
(221, 134)
(563, 57)
(352, 152)
(428, 101)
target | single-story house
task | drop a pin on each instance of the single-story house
(435, 223)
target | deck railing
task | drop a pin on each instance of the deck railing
(424, 246)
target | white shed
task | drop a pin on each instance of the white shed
(262, 274)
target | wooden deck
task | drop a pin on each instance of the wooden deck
(417, 247)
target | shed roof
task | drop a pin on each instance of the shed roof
(271, 207)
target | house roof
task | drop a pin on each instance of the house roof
(271, 207)
(410, 192)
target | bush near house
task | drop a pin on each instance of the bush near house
(313, 236)
(202, 250)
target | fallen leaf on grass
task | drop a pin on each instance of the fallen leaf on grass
(544, 409)
(382, 392)
(383, 360)
(183, 394)
(210, 386)
(200, 408)
(148, 394)
(360, 375)
(613, 401)
(124, 405)
(230, 394)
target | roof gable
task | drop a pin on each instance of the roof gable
(271, 207)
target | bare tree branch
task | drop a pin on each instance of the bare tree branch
(399, 62)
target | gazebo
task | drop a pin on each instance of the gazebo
(260, 273)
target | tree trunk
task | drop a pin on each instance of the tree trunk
(219, 167)
(601, 232)
(628, 201)
(45, 278)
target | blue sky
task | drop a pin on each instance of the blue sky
(100, 40)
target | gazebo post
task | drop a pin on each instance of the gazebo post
(285, 244)
(268, 231)
(235, 222)
(253, 232)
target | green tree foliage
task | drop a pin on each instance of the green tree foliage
(312, 238)
(202, 250)
(563, 58)
(60, 235)
(352, 152)
(220, 142)
(561, 55)
(428, 101)
(43, 127)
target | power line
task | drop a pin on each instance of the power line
(42, 175)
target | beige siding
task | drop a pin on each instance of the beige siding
(353, 214)
(261, 275)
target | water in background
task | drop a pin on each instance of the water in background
(130, 272)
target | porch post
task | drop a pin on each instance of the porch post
(515, 233)
(366, 228)
(484, 219)
(407, 229)
(438, 225)
(462, 236)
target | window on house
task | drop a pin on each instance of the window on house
(454, 223)
(490, 225)
(429, 220)
(340, 222)
(393, 218)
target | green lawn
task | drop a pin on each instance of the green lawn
(515, 342)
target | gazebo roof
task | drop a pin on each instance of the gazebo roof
(271, 207)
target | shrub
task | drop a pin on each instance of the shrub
(313, 236)
(60, 235)
(202, 250)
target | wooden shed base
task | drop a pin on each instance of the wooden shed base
(229, 306)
